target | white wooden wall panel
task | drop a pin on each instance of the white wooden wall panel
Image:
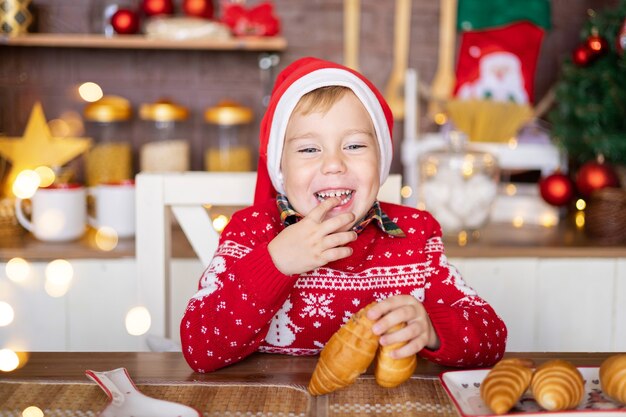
(103, 291)
(508, 284)
(574, 302)
(619, 328)
(185, 275)
(39, 322)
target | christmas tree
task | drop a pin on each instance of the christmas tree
(589, 119)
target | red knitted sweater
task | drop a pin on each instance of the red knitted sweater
(244, 304)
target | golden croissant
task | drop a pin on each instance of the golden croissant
(557, 385)
(348, 354)
(613, 377)
(505, 384)
(391, 372)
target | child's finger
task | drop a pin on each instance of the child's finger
(338, 239)
(319, 212)
(336, 223)
(335, 254)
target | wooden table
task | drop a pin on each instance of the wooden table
(261, 385)
(267, 368)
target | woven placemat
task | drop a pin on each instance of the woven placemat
(85, 400)
(416, 398)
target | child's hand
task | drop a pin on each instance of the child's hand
(313, 241)
(418, 332)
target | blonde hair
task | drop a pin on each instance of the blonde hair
(320, 99)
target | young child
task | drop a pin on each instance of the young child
(317, 246)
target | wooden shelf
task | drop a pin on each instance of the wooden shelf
(85, 40)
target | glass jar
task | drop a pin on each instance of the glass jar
(458, 186)
(108, 122)
(165, 133)
(228, 146)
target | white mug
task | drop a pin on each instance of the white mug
(114, 207)
(59, 213)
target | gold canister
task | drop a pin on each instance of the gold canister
(15, 18)
(165, 146)
(109, 124)
(228, 147)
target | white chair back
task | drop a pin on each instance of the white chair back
(185, 195)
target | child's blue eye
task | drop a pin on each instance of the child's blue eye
(355, 146)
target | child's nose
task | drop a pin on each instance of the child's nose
(333, 162)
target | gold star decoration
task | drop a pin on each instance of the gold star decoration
(38, 147)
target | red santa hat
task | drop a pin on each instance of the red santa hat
(298, 79)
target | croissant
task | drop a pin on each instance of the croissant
(557, 385)
(347, 355)
(505, 384)
(613, 377)
(391, 372)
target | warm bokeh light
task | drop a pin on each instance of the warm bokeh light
(581, 204)
(548, 220)
(9, 361)
(46, 175)
(59, 274)
(26, 184)
(138, 321)
(6, 314)
(518, 221)
(421, 206)
(512, 143)
(18, 270)
(90, 92)
(74, 122)
(106, 238)
(440, 119)
(32, 411)
(220, 222)
(406, 191)
(462, 238)
(510, 189)
(580, 219)
(59, 128)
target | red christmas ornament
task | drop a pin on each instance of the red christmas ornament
(620, 40)
(258, 20)
(597, 44)
(125, 21)
(198, 8)
(595, 176)
(556, 189)
(157, 7)
(582, 55)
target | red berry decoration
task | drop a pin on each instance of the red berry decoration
(125, 21)
(157, 7)
(556, 189)
(582, 55)
(594, 176)
(198, 8)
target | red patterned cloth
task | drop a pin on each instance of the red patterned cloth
(244, 304)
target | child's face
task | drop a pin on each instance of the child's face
(333, 152)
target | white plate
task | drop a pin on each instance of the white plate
(463, 387)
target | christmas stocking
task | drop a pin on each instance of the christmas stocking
(498, 64)
(483, 14)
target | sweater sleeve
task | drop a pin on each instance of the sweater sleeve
(471, 334)
(238, 295)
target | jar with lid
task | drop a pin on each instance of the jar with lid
(108, 122)
(458, 186)
(165, 134)
(227, 145)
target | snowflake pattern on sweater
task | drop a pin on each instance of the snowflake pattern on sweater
(244, 304)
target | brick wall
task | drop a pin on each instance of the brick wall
(199, 79)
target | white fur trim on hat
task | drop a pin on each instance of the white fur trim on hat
(323, 78)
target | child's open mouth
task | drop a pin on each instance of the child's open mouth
(345, 195)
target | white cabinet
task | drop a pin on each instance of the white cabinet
(549, 304)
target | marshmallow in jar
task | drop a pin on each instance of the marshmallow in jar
(458, 187)
(165, 146)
